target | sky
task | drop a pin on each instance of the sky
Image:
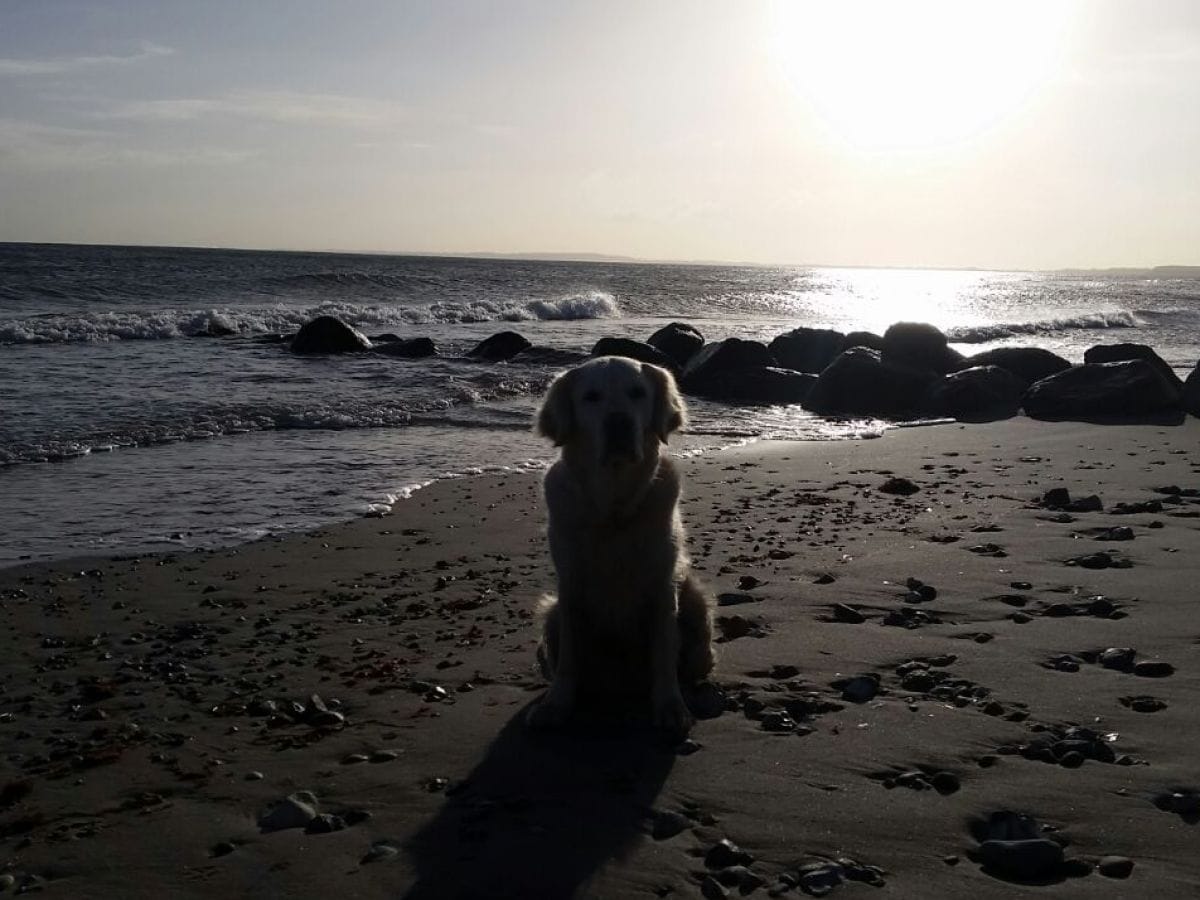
(1019, 134)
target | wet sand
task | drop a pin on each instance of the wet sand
(912, 692)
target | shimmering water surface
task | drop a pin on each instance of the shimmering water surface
(125, 426)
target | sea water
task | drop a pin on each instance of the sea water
(126, 425)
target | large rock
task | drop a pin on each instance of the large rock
(1191, 392)
(1102, 390)
(975, 394)
(919, 346)
(1103, 353)
(762, 386)
(329, 334)
(410, 348)
(499, 347)
(861, 382)
(1030, 364)
(715, 361)
(612, 346)
(807, 349)
(679, 341)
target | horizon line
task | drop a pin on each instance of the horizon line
(601, 258)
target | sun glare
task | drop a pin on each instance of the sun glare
(888, 75)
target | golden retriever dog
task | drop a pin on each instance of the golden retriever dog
(629, 621)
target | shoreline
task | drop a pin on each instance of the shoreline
(155, 707)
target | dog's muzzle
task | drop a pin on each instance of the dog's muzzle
(620, 439)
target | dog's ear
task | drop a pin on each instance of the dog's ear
(556, 418)
(669, 413)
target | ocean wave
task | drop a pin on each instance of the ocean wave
(978, 334)
(164, 324)
(437, 408)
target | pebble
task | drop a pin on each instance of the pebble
(1153, 668)
(1023, 859)
(847, 614)
(725, 853)
(1144, 704)
(327, 719)
(901, 486)
(748, 583)
(352, 758)
(711, 888)
(378, 851)
(381, 756)
(254, 776)
(859, 689)
(294, 811)
(325, 824)
(1119, 658)
(1115, 866)
(945, 782)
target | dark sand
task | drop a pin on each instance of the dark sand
(140, 747)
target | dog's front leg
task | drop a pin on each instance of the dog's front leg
(670, 712)
(554, 707)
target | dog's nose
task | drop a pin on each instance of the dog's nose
(618, 434)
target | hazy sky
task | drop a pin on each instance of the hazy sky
(1021, 133)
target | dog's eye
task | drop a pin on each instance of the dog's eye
(637, 392)
(591, 397)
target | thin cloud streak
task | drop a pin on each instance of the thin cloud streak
(63, 65)
(271, 106)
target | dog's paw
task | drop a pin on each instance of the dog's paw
(672, 715)
(548, 712)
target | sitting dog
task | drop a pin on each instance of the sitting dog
(629, 620)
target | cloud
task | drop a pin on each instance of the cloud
(33, 145)
(269, 106)
(61, 65)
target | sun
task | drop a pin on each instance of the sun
(912, 75)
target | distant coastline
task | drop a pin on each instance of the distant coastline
(1172, 270)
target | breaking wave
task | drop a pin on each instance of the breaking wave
(978, 334)
(166, 324)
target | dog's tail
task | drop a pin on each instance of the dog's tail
(547, 651)
(696, 656)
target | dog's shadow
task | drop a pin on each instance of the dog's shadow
(542, 812)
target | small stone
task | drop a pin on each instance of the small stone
(951, 860)
(1023, 859)
(351, 758)
(1119, 658)
(725, 853)
(382, 756)
(824, 578)
(294, 811)
(327, 719)
(847, 614)
(900, 486)
(1153, 668)
(748, 583)
(380, 850)
(711, 889)
(254, 776)
(687, 747)
(859, 689)
(223, 848)
(325, 824)
(1144, 704)
(1115, 867)
(945, 782)
(1072, 759)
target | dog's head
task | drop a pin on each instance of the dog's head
(615, 407)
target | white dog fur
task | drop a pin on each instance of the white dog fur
(629, 619)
